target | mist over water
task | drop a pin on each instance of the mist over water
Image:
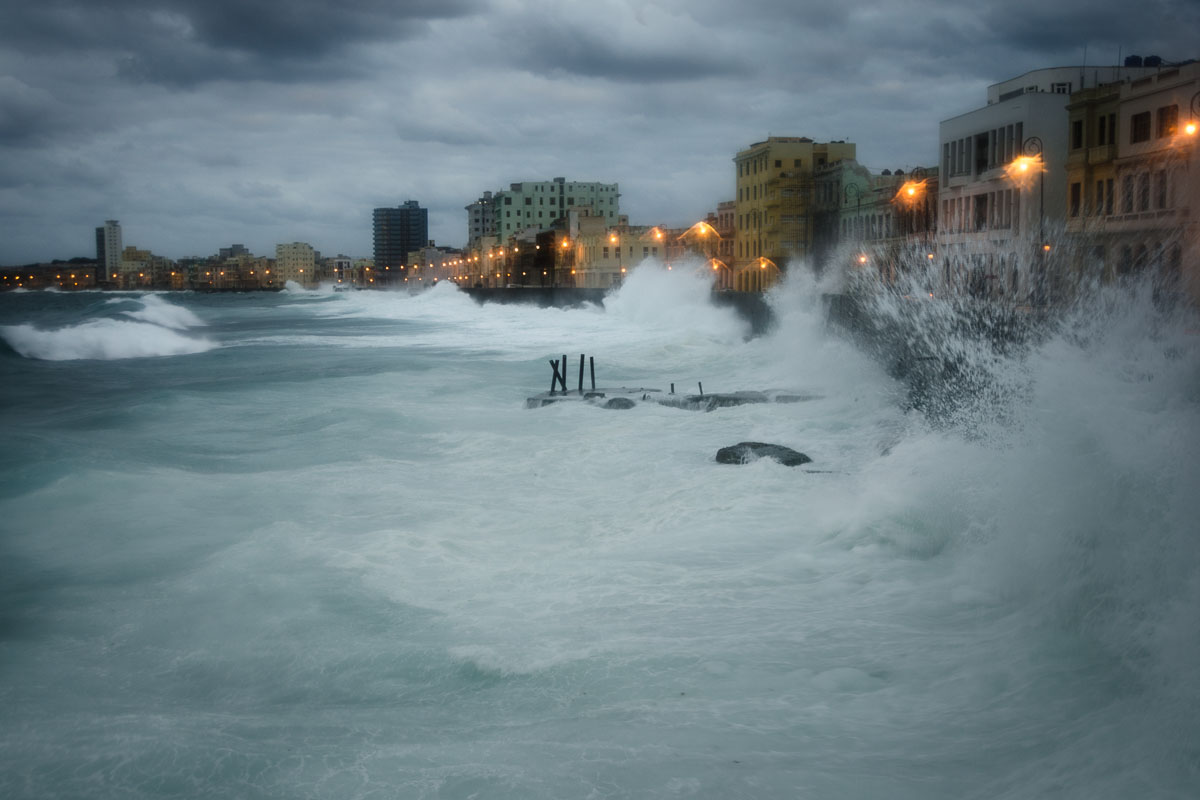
(312, 544)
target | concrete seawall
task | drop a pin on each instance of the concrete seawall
(750, 306)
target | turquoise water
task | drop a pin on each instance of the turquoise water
(312, 544)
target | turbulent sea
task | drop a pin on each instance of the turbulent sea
(314, 545)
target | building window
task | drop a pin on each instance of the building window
(1098, 206)
(1144, 191)
(1108, 197)
(1076, 195)
(1076, 134)
(1168, 121)
(1102, 130)
(1139, 128)
(1060, 88)
(1160, 189)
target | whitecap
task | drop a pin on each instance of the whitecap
(102, 339)
(157, 311)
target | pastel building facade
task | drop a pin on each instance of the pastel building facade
(773, 206)
(1133, 180)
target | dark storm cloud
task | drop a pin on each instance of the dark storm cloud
(1070, 25)
(562, 49)
(27, 114)
(184, 42)
(296, 118)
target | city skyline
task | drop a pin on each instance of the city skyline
(197, 124)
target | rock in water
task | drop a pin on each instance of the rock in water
(745, 452)
(620, 402)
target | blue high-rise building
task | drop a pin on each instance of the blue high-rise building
(398, 232)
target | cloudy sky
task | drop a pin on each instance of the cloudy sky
(200, 123)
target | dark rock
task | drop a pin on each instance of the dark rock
(745, 452)
(620, 403)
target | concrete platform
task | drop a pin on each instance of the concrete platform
(626, 397)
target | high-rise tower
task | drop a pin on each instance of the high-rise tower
(398, 232)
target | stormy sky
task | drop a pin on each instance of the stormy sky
(200, 123)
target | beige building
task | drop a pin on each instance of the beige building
(296, 262)
(1133, 179)
(141, 269)
(604, 254)
(773, 205)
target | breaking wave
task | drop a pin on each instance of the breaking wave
(101, 339)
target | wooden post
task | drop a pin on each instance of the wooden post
(554, 379)
(563, 378)
(592, 365)
(672, 388)
(581, 373)
(701, 385)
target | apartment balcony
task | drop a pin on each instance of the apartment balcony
(1102, 154)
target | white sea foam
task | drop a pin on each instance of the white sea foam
(103, 339)
(158, 311)
(414, 586)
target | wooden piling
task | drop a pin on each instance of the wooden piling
(581, 373)
(564, 373)
(592, 365)
(701, 385)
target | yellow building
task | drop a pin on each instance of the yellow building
(1132, 188)
(773, 205)
(296, 262)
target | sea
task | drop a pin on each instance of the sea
(314, 544)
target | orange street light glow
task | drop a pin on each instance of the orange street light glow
(1022, 169)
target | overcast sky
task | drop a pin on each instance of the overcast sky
(200, 123)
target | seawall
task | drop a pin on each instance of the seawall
(750, 306)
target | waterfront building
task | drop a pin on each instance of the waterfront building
(724, 223)
(108, 251)
(603, 254)
(1002, 193)
(1133, 179)
(481, 219)
(538, 205)
(141, 269)
(773, 205)
(296, 262)
(232, 251)
(431, 264)
(398, 232)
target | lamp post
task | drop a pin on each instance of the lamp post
(1032, 148)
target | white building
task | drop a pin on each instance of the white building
(481, 219)
(997, 227)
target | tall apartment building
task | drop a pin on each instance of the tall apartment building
(773, 206)
(108, 251)
(481, 219)
(296, 262)
(539, 205)
(1133, 179)
(398, 232)
(1000, 231)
